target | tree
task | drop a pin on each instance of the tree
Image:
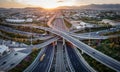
(34, 49)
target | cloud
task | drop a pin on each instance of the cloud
(11, 3)
(98, 1)
(47, 3)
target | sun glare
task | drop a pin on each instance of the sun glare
(49, 4)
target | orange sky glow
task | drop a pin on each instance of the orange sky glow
(52, 3)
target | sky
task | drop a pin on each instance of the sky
(52, 3)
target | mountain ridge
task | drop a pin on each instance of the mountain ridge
(93, 6)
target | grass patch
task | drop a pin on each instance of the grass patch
(13, 35)
(26, 29)
(68, 24)
(92, 29)
(21, 40)
(112, 33)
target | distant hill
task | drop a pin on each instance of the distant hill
(93, 6)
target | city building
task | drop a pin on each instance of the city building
(15, 20)
(81, 25)
(19, 20)
(29, 20)
(111, 22)
(3, 50)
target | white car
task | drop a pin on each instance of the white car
(97, 32)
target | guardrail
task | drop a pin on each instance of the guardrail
(68, 60)
(19, 60)
(34, 63)
(83, 60)
(51, 60)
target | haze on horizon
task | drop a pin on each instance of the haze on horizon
(52, 3)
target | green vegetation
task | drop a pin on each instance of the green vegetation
(110, 15)
(26, 29)
(97, 65)
(18, 38)
(110, 47)
(22, 40)
(26, 62)
(43, 25)
(13, 35)
(112, 33)
(68, 24)
(94, 21)
(93, 29)
(89, 19)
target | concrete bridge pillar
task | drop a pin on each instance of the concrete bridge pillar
(82, 52)
(63, 41)
(55, 42)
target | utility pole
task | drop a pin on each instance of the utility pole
(31, 40)
(31, 37)
(89, 37)
(82, 52)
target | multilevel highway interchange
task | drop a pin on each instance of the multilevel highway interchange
(59, 51)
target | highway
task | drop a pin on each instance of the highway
(39, 36)
(83, 60)
(43, 66)
(97, 34)
(29, 48)
(60, 26)
(104, 59)
(60, 63)
(10, 61)
(59, 29)
(76, 62)
(33, 39)
(8, 29)
(36, 61)
(83, 37)
(91, 37)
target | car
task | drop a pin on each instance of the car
(93, 52)
(112, 28)
(97, 32)
(16, 54)
(4, 62)
(12, 64)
